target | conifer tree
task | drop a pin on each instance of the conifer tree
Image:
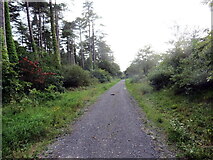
(57, 59)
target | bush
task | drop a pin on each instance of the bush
(12, 87)
(112, 68)
(32, 72)
(145, 87)
(75, 76)
(101, 75)
(160, 77)
(138, 78)
(47, 95)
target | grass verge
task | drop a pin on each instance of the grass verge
(186, 120)
(29, 126)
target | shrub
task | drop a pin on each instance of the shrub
(75, 76)
(48, 94)
(12, 87)
(32, 72)
(160, 77)
(137, 78)
(112, 68)
(145, 87)
(195, 71)
(101, 75)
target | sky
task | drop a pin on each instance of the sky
(132, 24)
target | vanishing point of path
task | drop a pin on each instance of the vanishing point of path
(111, 128)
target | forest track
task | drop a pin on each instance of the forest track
(111, 128)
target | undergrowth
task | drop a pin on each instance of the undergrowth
(185, 119)
(31, 124)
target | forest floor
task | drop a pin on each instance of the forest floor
(113, 127)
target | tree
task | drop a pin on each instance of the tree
(69, 36)
(23, 33)
(2, 23)
(33, 45)
(57, 59)
(90, 18)
(9, 37)
(3, 44)
(80, 24)
(144, 62)
(111, 68)
(144, 59)
(104, 52)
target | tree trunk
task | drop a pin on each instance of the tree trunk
(33, 45)
(81, 52)
(93, 47)
(3, 44)
(68, 51)
(72, 53)
(89, 39)
(2, 21)
(57, 59)
(13, 57)
(56, 24)
(40, 29)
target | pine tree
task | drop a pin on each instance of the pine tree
(57, 58)
(33, 45)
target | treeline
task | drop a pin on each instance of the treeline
(50, 51)
(186, 67)
(175, 91)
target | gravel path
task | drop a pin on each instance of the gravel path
(111, 128)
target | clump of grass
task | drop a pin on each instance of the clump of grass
(186, 120)
(34, 120)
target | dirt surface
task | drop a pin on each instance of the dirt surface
(113, 127)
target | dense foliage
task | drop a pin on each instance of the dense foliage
(75, 76)
(187, 67)
(51, 51)
(101, 75)
(176, 90)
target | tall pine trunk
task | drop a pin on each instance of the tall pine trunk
(81, 51)
(56, 24)
(74, 52)
(40, 29)
(32, 41)
(93, 47)
(57, 59)
(68, 51)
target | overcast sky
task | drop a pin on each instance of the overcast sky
(132, 24)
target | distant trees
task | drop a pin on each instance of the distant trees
(186, 67)
(145, 60)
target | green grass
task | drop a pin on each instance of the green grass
(30, 125)
(186, 120)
